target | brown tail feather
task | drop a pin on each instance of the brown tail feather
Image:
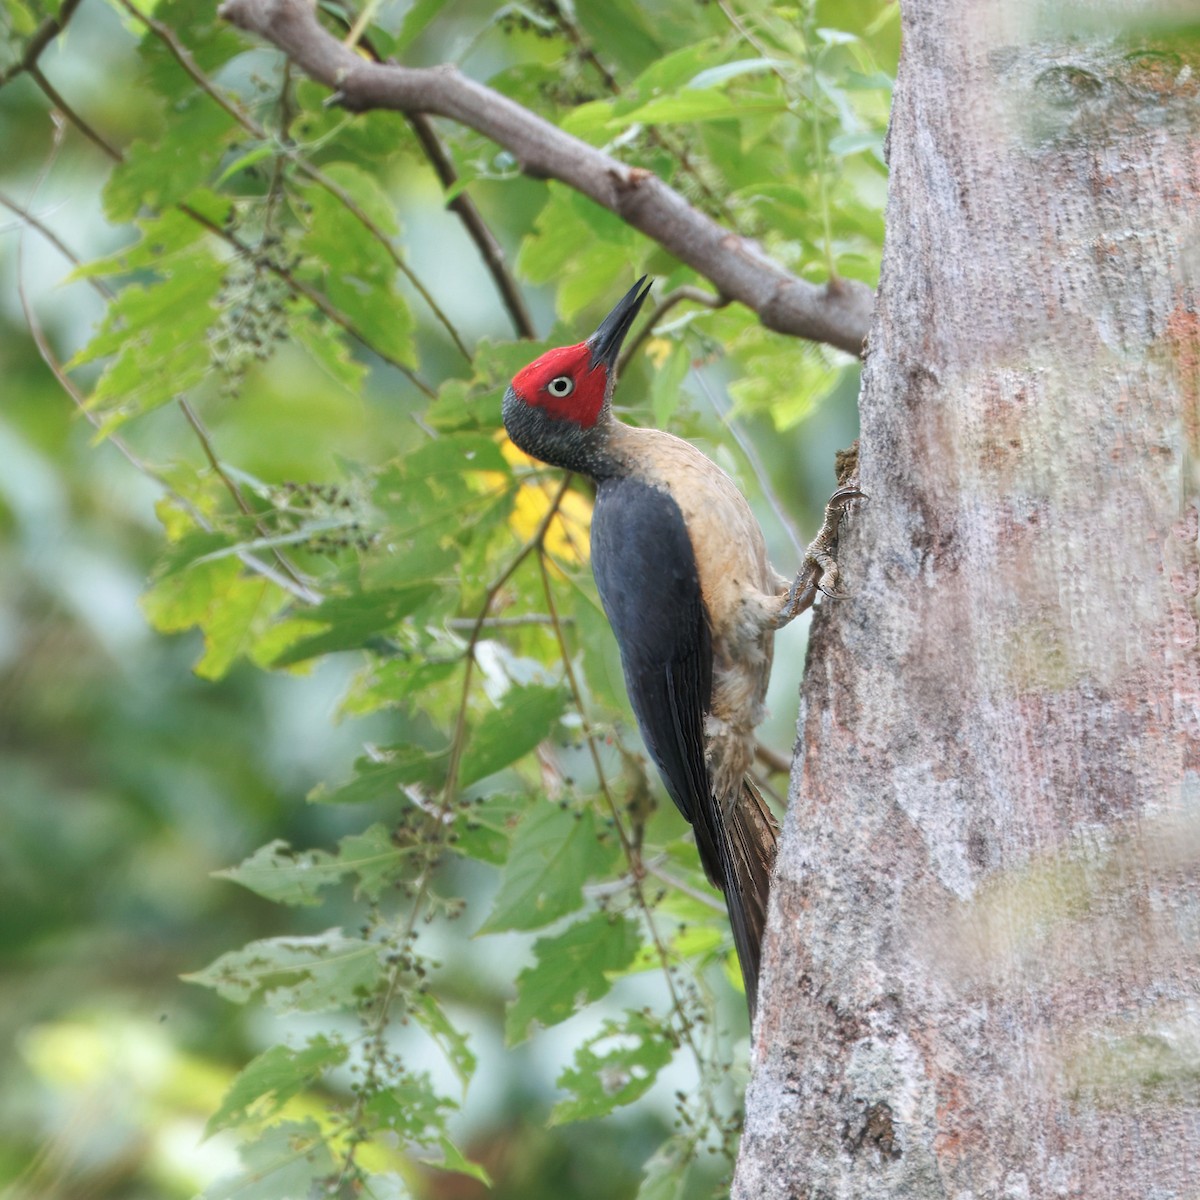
(748, 854)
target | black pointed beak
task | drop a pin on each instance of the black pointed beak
(606, 341)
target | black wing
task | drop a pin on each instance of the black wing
(646, 575)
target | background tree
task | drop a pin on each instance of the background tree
(984, 969)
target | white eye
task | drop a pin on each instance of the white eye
(561, 385)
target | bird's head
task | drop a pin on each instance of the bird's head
(552, 401)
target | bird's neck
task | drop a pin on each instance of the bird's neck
(563, 443)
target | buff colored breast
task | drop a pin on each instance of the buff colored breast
(740, 587)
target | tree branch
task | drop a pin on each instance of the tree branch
(837, 313)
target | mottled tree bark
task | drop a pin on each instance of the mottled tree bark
(981, 973)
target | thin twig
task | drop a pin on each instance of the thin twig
(206, 444)
(462, 204)
(49, 235)
(55, 98)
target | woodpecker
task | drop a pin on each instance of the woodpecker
(682, 571)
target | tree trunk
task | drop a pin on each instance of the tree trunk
(980, 977)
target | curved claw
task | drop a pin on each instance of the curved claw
(819, 569)
(844, 495)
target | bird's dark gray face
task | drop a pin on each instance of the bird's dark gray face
(558, 441)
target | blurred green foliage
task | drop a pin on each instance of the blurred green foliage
(275, 546)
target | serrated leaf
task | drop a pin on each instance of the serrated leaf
(164, 170)
(353, 621)
(665, 1175)
(452, 1041)
(453, 1159)
(160, 237)
(525, 717)
(411, 1108)
(308, 974)
(484, 831)
(382, 777)
(155, 336)
(572, 970)
(288, 876)
(631, 1053)
(554, 853)
(284, 1162)
(269, 1081)
(354, 262)
(284, 875)
(233, 624)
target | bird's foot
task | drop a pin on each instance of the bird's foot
(819, 570)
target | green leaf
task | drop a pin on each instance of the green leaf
(156, 337)
(327, 345)
(353, 621)
(691, 105)
(374, 857)
(269, 1081)
(381, 777)
(453, 1159)
(411, 1108)
(715, 76)
(232, 625)
(484, 831)
(416, 20)
(631, 1053)
(525, 717)
(555, 852)
(583, 248)
(284, 875)
(162, 171)
(451, 1041)
(307, 974)
(284, 1161)
(572, 970)
(295, 877)
(667, 384)
(354, 261)
(160, 238)
(665, 1175)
